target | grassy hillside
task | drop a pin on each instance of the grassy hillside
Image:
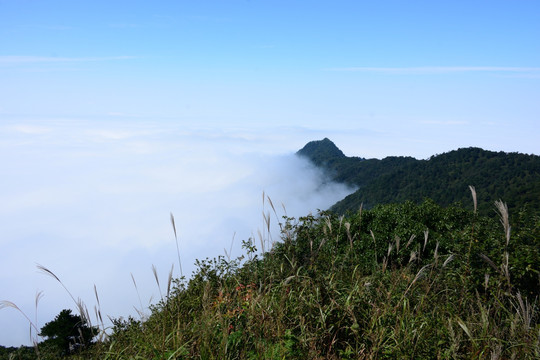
(398, 281)
(444, 178)
(409, 280)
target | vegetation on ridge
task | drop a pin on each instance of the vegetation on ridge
(402, 280)
(397, 281)
(443, 178)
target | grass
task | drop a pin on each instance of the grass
(395, 282)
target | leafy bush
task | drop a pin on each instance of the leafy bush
(397, 281)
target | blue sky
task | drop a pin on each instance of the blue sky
(115, 113)
(412, 72)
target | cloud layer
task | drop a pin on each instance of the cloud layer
(91, 202)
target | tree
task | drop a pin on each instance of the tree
(67, 332)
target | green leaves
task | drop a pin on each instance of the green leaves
(392, 282)
(68, 332)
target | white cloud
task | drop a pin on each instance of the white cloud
(104, 135)
(30, 129)
(85, 202)
(17, 60)
(444, 122)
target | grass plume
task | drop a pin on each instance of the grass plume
(177, 246)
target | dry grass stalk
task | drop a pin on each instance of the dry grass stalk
(99, 317)
(418, 276)
(97, 297)
(384, 264)
(8, 304)
(387, 258)
(323, 241)
(413, 236)
(169, 281)
(473, 193)
(413, 256)
(83, 311)
(228, 254)
(502, 208)
(261, 239)
(34, 339)
(505, 268)
(140, 312)
(266, 218)
(271, 203)
(154, 270)
(465, 328)
(390, 248)
(328, 224)
(448, 259)
(374, 243)
(348, 230)
(426, 235)
(177, 247)
(39, 296)
(525, 311)
(489, 261)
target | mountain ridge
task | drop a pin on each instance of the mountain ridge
(444, 178)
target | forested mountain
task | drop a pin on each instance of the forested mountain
(444, 178)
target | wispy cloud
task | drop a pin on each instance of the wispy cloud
(16, 60)
(444, 122)
(441, 69)
(31, 129)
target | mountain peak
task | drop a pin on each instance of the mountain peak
(321, 151)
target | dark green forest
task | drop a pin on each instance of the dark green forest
(444, 178)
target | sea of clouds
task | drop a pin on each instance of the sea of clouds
(91, 201)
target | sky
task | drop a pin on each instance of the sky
(114, 114)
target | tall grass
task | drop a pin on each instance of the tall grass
(349, 287)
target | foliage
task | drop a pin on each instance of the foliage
(66, 334)
(414, 279)
(444, 178)
(20, 353)
(397, 281)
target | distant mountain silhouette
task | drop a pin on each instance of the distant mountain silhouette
(444, 178)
